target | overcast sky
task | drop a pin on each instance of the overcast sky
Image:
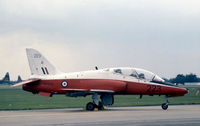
(162, 36)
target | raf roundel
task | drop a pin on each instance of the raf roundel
(64, 84)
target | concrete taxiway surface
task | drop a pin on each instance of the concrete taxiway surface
(183, 115)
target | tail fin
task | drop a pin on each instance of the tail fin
(7, 77)
(19, 79)
(39, 65)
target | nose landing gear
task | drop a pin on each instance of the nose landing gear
(165, 105)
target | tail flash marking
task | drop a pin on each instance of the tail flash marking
(43, 70)
(46, 70)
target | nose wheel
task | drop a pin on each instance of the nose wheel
(165, 105)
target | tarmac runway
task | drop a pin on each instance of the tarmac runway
(184, 115)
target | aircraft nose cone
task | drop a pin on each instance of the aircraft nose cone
(185, 90)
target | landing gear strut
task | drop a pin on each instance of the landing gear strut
(95, 104)
(165, 105)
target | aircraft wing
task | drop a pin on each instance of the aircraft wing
(72, 89)
(101, 91)
(26, 82)
(90, 90)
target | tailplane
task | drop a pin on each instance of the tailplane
(39, 65)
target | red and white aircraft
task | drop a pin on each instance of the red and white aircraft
(46, 80)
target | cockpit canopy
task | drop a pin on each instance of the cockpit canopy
(138, 73)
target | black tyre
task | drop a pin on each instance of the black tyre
(90, 106)
(100, 106)
(164, 106)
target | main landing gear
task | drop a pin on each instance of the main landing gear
(91, 106)
(95, 104)
(106, 100)
(165, 105)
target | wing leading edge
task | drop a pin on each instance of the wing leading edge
(91, 90)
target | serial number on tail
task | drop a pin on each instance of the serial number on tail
(37, 55)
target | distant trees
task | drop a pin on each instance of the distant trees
(180, 78)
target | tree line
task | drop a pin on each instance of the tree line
(182, 79)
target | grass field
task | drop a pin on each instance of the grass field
(17, 99)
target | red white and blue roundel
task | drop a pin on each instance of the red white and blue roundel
(64, 84)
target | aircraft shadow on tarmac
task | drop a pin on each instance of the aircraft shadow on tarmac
(108, 109)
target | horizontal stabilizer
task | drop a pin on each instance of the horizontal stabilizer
(26, 82)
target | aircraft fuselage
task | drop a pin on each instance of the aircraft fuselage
(101, 80)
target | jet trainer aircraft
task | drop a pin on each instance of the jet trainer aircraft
(46, 80)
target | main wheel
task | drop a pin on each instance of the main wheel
(164, 106)
(100, 106)
(90, 106)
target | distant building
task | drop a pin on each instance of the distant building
(6, 79)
